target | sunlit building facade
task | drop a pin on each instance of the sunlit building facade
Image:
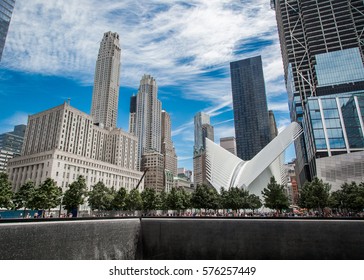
(105, 96)
(229, 144)
(148, 114)
(62, 143)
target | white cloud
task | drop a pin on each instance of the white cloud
(172, 40)
(16, 119)
(185, 44)
(282, 124)
(281, 106)
(221, 131)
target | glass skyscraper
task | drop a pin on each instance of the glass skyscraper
(322, 51)
(251, 118)
(6, 10)
(203, 129)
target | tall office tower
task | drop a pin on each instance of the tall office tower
(148, 117)
(6, 10)
(62, 143)
(322, 52)
(229, 144)
(155, 176)
(132, 114)
(11, 144)
(272, 125)
(250, 107)
(199, 120)
(207, 132)
(203, 130)
(167, 148)
(105, 94)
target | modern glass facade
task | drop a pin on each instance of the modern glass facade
(337, 123)
(6, 10)
(251, 118)
(201, 119)
(322, 53)
(202, 130)
(11, 145)
(339, 67)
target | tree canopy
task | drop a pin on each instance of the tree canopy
(6, 193)
(119, 201)
(134, 200)
(149, 199)
(274, 196)
(47, 196)
(75, 195)
(349, 197)
(314, 195)
(205, 197)
(24, 198)
(100, 197)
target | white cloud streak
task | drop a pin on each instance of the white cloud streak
(181, 43)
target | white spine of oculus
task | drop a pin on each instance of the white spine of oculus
(227, 170)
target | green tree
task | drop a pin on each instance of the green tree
(232, 198)
(119, 202)
(236, 198)
(359, 202)
(254, 202)
(186, 199)
(245, 202)
(199, 197)
(134, 200)
(224, 199)
(25, 196)
(162, 203)
(175, 200)
(205, 197)
(6, 193)
(75, 195)
(275, 196)
(149, 199)
(109, 198)
(100, 197)
(315, 195)
(335, 200)
(351, 196)
(214, 201)
(47, 196)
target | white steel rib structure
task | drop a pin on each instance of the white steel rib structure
(227, 170)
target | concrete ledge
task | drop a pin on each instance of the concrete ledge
(70, 239)
(260, 239)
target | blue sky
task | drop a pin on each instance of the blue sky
(52, 45)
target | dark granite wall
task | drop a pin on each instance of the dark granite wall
(161, 238)
(70, 240)
(252, 239)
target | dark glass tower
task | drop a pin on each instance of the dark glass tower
(6, 10)
(250, 107)
(322, 51)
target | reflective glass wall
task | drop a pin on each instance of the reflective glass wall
(337, 123)
(6, 9)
